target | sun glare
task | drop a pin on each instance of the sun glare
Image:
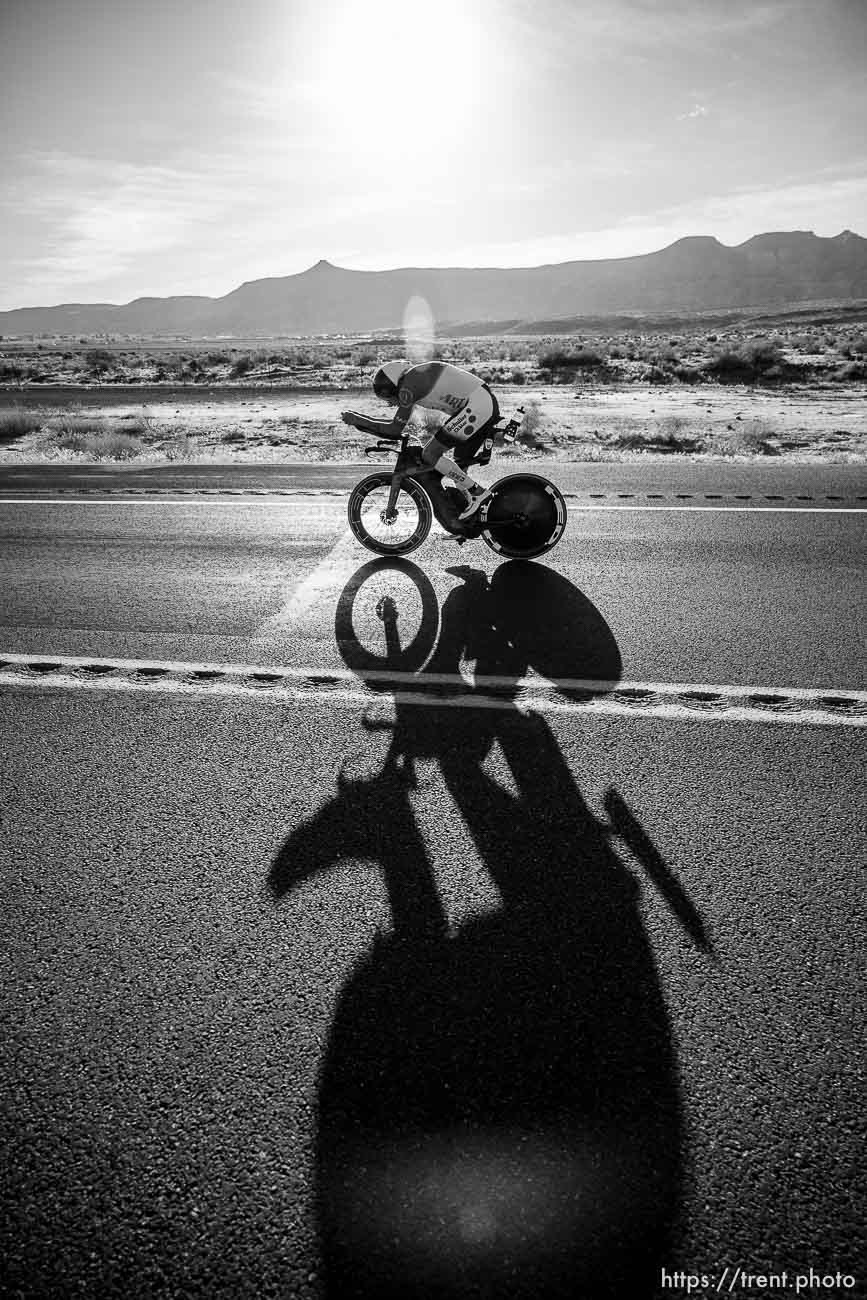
(394, 73)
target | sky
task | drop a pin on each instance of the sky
(166, 147)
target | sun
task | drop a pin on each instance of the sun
(397, 74)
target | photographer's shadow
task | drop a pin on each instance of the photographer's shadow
(499, 1111)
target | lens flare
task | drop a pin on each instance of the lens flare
(418, 330)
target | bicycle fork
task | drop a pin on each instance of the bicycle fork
(397, 477)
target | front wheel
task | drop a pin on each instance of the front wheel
(524, 516)
(395, 534)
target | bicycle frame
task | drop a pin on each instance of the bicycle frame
(430, 480)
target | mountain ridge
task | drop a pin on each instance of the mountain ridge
(696, 273)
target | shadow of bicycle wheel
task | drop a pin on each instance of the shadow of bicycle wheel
(394, 581)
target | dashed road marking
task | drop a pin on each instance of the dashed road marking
(340, 687)
(194, 499)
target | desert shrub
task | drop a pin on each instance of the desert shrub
(73, 440)
(518, 377)
(98, 360)
(133, 423)
(70, 425)
(181, 447)
(726, 363)
(666, 439)
(627, 441)
(672, 434)
(753, 360)
(298, 357)
(669, 434)
(15, 423)
(686, 374)
(100, 442)
(754, 436)
(11, 372)
(562, 359)
(529, 433)
(761, 354)
(750, 437)
(115, 445)
(851, 372)
(233, 435)
(242, 366)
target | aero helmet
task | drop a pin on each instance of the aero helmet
(386, 381)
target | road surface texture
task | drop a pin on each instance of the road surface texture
(443, 927)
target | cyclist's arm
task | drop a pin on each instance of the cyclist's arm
(392, 428)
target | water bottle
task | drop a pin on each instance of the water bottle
(512, 429)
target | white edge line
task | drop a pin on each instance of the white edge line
(573, 507)
(309, 672)
(354, 699)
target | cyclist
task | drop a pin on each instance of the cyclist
(469, 403)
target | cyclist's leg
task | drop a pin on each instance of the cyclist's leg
(436, 455)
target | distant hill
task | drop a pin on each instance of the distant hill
(697, 274)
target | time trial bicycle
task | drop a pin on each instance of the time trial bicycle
(391, 511)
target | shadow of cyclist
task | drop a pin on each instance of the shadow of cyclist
(498, 1109)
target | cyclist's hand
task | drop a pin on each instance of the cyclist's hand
(350, 418)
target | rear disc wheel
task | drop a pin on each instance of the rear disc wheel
(524, 517)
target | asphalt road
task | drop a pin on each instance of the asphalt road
(473, 979)
(758, 483)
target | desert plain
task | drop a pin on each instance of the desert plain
(796, 390)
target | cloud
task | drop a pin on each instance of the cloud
(102, 219)
(202, 224)
(115, 229)
(597, 25)
(698, 110)
(827, 206)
